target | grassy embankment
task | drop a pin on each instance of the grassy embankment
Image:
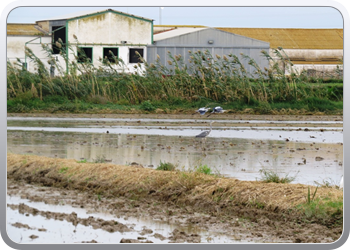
(175, 88)
(207, 193)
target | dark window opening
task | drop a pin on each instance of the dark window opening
(135, 55)
(110, 55)
(84, 55)
(58, 38)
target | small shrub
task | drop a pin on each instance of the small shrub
(100, 159)
(17, 107)
(272, 176)
(263, 108)
(24, 97)
(147, 106)
(123, 102)
(166, 166)
(204, 169)
(63, 170)
(97, 99)
(55, 99)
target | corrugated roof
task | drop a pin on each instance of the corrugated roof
(294, 38)
(175, 32)
(162, 28)
(87, 13)
(22, 29)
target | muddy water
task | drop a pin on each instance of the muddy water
(48, 215)
(310, 150)
(53, 231)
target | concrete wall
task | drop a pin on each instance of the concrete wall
(97, 31)
(16, 49)
(320, 63)
(109, 30)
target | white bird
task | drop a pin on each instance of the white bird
(201, 111)
(216, 110)
(205, 133)
(341, 184)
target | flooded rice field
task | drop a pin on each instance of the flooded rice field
(310, 150)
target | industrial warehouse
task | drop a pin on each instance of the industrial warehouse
(317, 51)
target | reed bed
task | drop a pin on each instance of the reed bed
(221, 79)
(183, 188)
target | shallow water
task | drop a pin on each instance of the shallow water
(62, 231)
(311, 153)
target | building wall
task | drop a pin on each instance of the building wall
(223, 43)
(16, 49)
(322, 62)
(109, 30)
(163, 52)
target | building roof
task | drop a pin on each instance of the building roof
(175, 32)
(294, 38)
(162, 28)
(22, 29)
(82, 14)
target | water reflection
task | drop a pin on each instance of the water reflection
(235, 157)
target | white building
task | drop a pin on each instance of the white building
(84, 36)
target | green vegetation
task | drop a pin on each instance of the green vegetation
(320, 209)
(309, 198)
(63, 170)
(206, 80)
(204, 169)
(166, 166)
(273, 176)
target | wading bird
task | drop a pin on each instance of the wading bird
(201, 111)
(205, 133)
(216, 110)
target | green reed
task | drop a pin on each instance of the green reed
(214, 78)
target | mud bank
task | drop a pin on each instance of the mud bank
(225, 116)
(271, 212)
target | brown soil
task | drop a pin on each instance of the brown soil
(247, 211)
(225, 116)
(260, 228)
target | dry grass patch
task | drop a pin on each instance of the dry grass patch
(183, 188)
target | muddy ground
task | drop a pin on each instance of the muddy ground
(247, 224)
(224, 116)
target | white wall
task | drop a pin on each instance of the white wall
(16, 49)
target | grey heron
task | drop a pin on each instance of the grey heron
(216, 110)
(201, 111)
(205, 133)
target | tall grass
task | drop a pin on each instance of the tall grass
(213, 78)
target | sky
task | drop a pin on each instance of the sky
(250, 17)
